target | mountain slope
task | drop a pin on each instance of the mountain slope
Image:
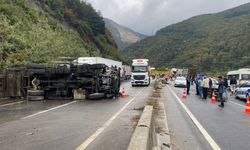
(123, 36)
(40, 31)
(213, 42)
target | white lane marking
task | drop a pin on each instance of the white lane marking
(57, 107)
(11, 103)
(209, 139)
(237, 104)
(90, 139)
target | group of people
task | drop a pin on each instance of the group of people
(205, 84)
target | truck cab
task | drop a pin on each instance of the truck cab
(140, 72)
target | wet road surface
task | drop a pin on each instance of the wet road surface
(37, 125)
(229, 127)
(109, 124)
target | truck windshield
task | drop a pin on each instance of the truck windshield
(139, 68)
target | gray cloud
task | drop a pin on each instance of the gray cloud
(148, 16)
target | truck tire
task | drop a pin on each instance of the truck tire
(35, 98)
(109, 96)
(36, 66)
(96, 96)
(35, 93)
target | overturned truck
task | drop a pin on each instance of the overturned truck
(60, 81)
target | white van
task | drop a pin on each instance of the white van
(241, 75)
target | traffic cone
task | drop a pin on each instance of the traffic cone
(123, 93)
(184, 96)
(213, 99)
(248, 106)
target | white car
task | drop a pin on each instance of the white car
(242, 91)
(180, 82)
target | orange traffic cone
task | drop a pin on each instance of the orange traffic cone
(123, 93)
(184, 96)
(213, 99)
(248, 106)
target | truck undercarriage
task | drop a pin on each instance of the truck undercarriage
(37, 82)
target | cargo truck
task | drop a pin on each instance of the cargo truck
(140, 72)
(92, 78)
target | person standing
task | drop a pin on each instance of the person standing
(205, 87)
(196, 81)
(225, 87)
(210, 86)
(188, 85)
(233, 83)
(200, 86)
(221, 89)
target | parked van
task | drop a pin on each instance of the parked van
(241, 75)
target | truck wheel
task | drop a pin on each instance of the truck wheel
(96, 96)
(35, 98)
(35, 93)
(109, 96)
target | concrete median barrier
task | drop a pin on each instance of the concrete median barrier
(152, 131)
(142, 135)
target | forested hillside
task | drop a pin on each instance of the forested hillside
(40, 31)
(212, 42)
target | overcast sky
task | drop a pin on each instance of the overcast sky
(148, 16)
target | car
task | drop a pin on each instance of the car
(180, 82)
(242, 92)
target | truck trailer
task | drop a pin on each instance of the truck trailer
(38, 81)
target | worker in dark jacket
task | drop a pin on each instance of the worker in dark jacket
(221, 90)
(188, 84)
(233, 83)
(196, 81)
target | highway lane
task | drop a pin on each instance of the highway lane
(229, 127)
(69, 126)
(16, 111)
(184, 134)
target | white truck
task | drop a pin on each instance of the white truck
(140, 72)
(125, 72)
(99, 60)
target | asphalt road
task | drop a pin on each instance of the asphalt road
(229, 127)
(109, 124)
(66, 125)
